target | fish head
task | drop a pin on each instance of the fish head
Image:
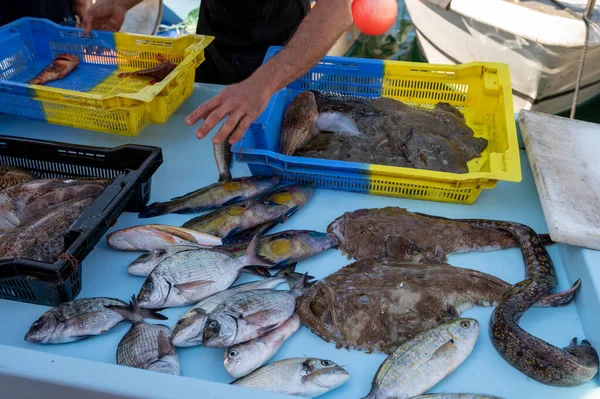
(188, 331)
(336, 229)
(320, 242)
(154, 292)
(322, 375)
(464, 333)
(241, 360)
(44, 329)
(144, 263)
(219, 331)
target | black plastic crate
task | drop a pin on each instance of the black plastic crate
(130, 166)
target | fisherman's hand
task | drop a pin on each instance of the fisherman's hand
(243, 102)
(107, 15)
(80, 8)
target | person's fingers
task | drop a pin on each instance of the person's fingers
(87, 24)
(227, 127)
(213, 118)
(241, 128)
(202, 111)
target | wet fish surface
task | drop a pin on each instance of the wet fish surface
(80, 319)
(242, 359)
(389, 132)
(534, 357)
(60, 67)
(146, 346)
(268, 210)
(250, 314)
(10, 176)
(298, 122)
(153, 237)
(222, 152)
(375, 305)
(396, 233)
(42, 239)
(223, 193)
(306, 377)
(145, 263)
(188, 331)
(419, 364)
(157, 72)
(30, 199)
(187, 277)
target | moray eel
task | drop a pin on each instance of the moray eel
(537, 359)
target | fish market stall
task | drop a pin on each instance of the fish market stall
(89, 366)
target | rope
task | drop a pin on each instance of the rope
(581, 64)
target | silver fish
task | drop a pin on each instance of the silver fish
(417, 365)
(189, 328)
(223, 158)
(187, 277)
(151, 237)
(28, 200)
(248, 315)
(216, 195)
(244, 358)
(145, 263)
(146, 346)
(79, 319)
(306, 377)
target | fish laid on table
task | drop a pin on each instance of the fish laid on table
(28, 200)
(153, 237)
(216, 195)
(537, 359)
(157, 72)
(397, 233)
(376, 305)
(62, 65)
(146, 346)
(250, 314)
(306, 377)
(145, 263)
(79, 319)
(263, 212)
(188, 330)
(244, 358)
(42, 239)
(222, 152)
(383, 131)
(419, 364)
(298, 122)
(10, 176)
(187, 277)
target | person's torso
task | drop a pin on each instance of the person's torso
(54, 10)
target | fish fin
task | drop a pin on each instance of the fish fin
(546, 240)
(288, 214)
(257, 318)
(301, 282)
(257, 271)
(176, 232)
(193, 192)
(152, 210)
(231, 236)
(252, 253)
(444, 350)
(561, 298)
(292, 277)
(233, 201)
(131, 312)
(452, 312)
(153, 314)
(192, 285)
(164, 346)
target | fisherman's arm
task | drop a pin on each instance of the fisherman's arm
(245, 101)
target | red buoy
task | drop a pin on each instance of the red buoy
(374, 17)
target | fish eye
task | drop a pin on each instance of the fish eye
(213, 325)
(149, 285)
(326, 363)
(232, 354)
(465, 324)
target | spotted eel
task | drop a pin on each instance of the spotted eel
(537, 359)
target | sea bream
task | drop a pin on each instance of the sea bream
(187, 277)
(217, 195)
(80, 319)
(30, 199)
(152, 237)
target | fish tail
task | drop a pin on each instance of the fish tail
(292, 277)
(152, 210)
(224, 176)
(134, 313)
(252, 253)
(302, 282)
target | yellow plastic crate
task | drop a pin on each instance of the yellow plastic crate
(93, 96)
(481, 91)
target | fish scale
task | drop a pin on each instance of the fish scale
(138, 348)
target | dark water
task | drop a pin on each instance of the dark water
(400, 44)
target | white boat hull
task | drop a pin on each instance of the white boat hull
(543, 75)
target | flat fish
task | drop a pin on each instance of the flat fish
(10, 176)
(30, 199)
(306, 377)
(42, 239)
(419, 364)
(153, 237)
(298, 122)
(60, 67)
(223, 193)
(396, 233)
(374, 305)
(79, 319)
